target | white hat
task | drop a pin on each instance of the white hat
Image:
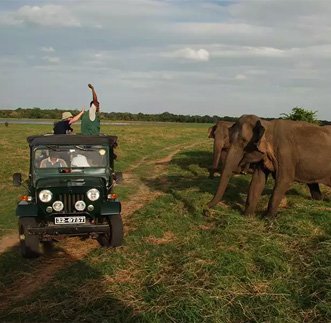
(66, 115)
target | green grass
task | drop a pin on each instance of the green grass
(178, 264)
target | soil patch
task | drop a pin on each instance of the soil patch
(46, 268)
(8, 241)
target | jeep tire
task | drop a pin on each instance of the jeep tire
(29, 243)
(115, 236)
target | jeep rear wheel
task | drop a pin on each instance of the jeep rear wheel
(115, 236)
(29, 243)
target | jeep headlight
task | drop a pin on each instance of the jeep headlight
(93, 194)
(58, 206)
(80, 205)
(45, 196)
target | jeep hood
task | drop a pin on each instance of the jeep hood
(69, 182)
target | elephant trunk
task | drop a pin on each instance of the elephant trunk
(217, 154)
(231, 164)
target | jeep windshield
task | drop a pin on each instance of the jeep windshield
(70, 156)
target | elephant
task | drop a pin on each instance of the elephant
(220, 133)
(287, 149)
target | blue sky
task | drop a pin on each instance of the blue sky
(188, 57)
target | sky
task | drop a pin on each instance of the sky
(224, 58)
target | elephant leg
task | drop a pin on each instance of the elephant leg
(211, 172)
(281, 186)
(221, 162)
(315, 191)
(256, 187)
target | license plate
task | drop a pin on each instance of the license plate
(70, 219)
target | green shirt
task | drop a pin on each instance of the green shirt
(89, 127)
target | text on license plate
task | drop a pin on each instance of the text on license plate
(70, 219)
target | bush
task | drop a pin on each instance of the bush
(301, 114)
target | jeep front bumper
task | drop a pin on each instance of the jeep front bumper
(70, 229)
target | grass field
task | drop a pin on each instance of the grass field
(177, 264)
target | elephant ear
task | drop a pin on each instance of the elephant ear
(211, 132)
(258, 138)
(261, 144)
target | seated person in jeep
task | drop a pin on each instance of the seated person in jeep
(79, 160)
(52, 161)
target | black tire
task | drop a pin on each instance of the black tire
(47, 247)
(115, 236)
(29, 243)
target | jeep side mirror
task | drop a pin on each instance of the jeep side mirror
(17, 179)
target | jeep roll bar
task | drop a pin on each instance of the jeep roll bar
(72, 140)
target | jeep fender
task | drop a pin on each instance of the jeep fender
(24, 209)
(110, 208)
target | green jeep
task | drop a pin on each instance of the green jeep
(69, 192)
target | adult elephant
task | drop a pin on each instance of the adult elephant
(287, 149)
(220, 133)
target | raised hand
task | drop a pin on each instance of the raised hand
(95, 99)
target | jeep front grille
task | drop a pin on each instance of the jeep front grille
(69, 201)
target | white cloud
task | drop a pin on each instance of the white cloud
(101, 58)
(256, 72)
(47, 49)
(51, 59)
(204, 28)
(48, 15)
(189, 53)
(9, 19)
(240, 77)
(123, 8)
(248, 51)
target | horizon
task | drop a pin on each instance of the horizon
(136, 113)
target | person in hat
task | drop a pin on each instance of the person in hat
(90, 124)
(63, 126)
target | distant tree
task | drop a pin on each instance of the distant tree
(301, 114)
(36, 113)
(231, 119)
(55, 114)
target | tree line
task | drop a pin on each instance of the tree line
(297, 113)
(37, 113)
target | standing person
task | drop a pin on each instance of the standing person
(63, 127)
(90, 124)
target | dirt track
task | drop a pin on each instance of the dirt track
(8, 241)
(73, 249)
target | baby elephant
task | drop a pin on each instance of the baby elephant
(220, 132)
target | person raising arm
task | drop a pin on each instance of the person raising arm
(64, 126)
(90, 124)
(94, 98)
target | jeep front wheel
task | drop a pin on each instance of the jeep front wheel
(29, 243)
(115, 236)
